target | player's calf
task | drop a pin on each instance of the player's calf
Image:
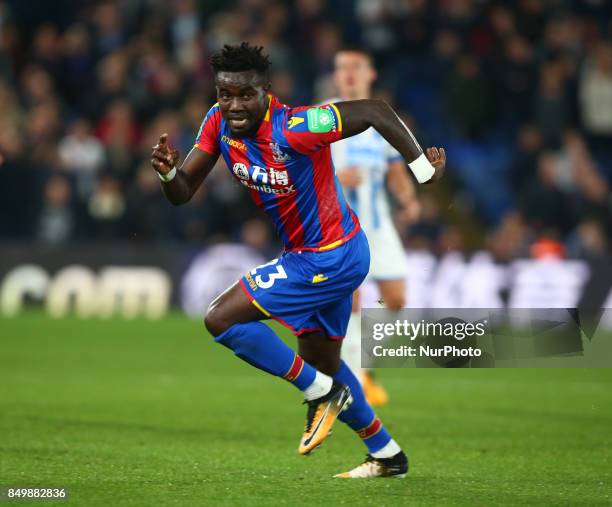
(320, 351)
(258, 345)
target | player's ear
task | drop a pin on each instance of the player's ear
(267, 87)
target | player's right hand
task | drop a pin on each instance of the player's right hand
(163, 158)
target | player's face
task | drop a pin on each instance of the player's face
(243, 100)
(353, 74)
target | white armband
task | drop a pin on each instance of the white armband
(422, 168)
(169, 176)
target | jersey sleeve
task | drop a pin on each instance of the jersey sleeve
(208, 136)
(310, 128)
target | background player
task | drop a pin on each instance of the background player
(364, 163)
(282, 156)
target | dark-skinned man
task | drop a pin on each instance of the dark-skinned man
(282, 156)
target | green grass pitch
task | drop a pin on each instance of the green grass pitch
(154, 413)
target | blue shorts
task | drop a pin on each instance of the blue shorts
(311, 291)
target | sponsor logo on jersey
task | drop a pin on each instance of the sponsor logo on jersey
(241, 171)
(279, 177)
(319, 278)
(259, 174)
(320, 120)
(277, 154)
(266, 189)
(267, 180)
(294, 120)
(250, 281)
(233, 143)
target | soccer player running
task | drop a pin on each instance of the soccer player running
(282, 156)
(364, 164)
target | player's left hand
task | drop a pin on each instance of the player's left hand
(437, 158)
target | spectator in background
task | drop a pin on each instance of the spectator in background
(43, 125)
(11, 123)
(82, 154)
(509, 240)
(525, 70)
(551, 108)
(587, 182)
(184, 27)
(376, 16)
(11, 140)
(469, 99)
(588, 240)
(569, 186)
(8, 41)
(531, 18)
(203, 217)
(36, 87)
(596, 96)
(56, 222)
(106, 209)
(447, 46)
(425, 232)
(147, 216)
(327, 43)
(46, 50)
(516, 74)
(542, 203)
(561, 35)
(108, 27)
(111, 84)
(192, 112)
(283, 85)
(167, 87)
(78, 64)
(119, 132)
(523, 168)
(451, 239)
(502, 23)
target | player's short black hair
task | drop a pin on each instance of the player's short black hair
(357, 49)
(241, 58)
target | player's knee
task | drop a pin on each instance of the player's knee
(211, 324)
(215, 320)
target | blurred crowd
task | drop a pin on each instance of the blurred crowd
(520, 93)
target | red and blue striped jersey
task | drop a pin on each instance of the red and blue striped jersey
(287, 168)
